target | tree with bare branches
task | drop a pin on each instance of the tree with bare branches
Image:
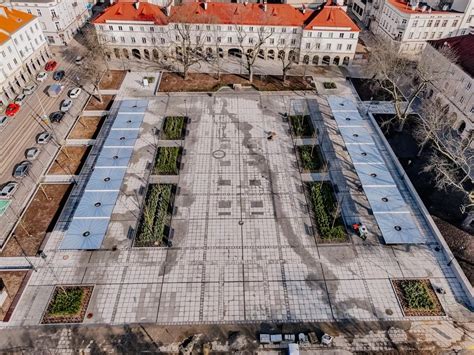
(286, 56)
(451, 161)
(394, 72)
(250, 44)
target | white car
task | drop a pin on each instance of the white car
(8, 189)
(32, 153)
(3, 120)
(29, 89)
(74, 93)
(43, 138)
(41, 76)
(78, 60)
(20, 98)
(66, 105)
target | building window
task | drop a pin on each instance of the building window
(349, 47)
(341, 35)
(229, 39)
(177, 38)
(430, 22)
(122, 39)
(143, 40)
(328, 46)
(229, 28)
(282, 41)
(295, 30)
(468, 86)
(293, 41)
(133, 39)
(404, 21)
(39, 12)
(153, 40)
(444, 24)
(339, 47)
(425, 35)
(208, 27)
(250, 40)
(208, 39)
(142, 28)
(251, 29)
(436, 23)
(415, 23)
(219, 39)
(455, 23)
(152, 29)
(162, 41)
(317, 46)
(461, 99)
(29, 11)
(283, 30)
(113, 39)
(410, 36)
(130, 28)
(320, 34)
(111, 28)
(308, 45)
(331, 34)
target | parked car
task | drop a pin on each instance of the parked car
(29, 89)
(3, 120)
(66, 105)
(32, 153)
(8, 189)
(12, 109)
(58, 75)
(41, 76)
(74, 93)
(55, 90)
(20, 99)
(22, 169)
(56, 116)
(51, 65)
(43, 138)
(78, 60)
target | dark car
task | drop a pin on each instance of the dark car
(51, 65)
(58, 75)
(56, 116)
(21, 169)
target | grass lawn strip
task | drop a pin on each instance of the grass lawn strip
(68, 304)
(167, 161)
(301, 126)
(330, 227)
(173, 129)
(155, 216)
(417, 298)
(311, 158)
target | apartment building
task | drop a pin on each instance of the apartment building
(413, 23)
(59, 19)
(23, 51)
(456, 88)
(145, 31)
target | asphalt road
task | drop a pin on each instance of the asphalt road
(21, 131)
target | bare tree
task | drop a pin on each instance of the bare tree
(287, 57)
(250, 44)
(393, 72)
(95, 63)
(451, 161)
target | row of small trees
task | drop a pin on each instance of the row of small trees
(451, 158)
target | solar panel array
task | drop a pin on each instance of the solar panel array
(92, 215)
(390, 209)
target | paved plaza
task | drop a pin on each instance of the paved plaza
(244, 246)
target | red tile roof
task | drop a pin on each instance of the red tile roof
(226, 13)
(14, 19)
(463, 47)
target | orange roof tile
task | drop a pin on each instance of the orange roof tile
(332, 16)
(14, 20)
(3, 38)
(228, 13)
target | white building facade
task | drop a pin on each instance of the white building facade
(146, 31)
(412, 24)
(23, 51)
(456, 88)
(59, 19)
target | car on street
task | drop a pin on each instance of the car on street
(21, 170)
(56, 116)
(51, 65)
(74, 93)
(43, 138)
(8, 189)
(29, 89)
(20, 99)
(66, 105)
(32, 153)
(3, 120)
(78, 60)
(12, 109)
(41, 76)
(58, 75)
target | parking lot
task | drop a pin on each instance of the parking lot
(21, 131)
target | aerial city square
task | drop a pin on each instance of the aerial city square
(252, 177)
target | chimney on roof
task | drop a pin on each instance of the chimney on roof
(303, 8)
(265, 5)
(204, 5)
(136, 4)
(168, 9)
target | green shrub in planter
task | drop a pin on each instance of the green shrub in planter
(301, 126)
(329, 85)
(416, 294)
(173, 127)
(167, 161)
(66, 302)
(310, 157)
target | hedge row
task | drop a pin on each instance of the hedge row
(173, 127)
(155, 213)
(167, 161)
(324, 207)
